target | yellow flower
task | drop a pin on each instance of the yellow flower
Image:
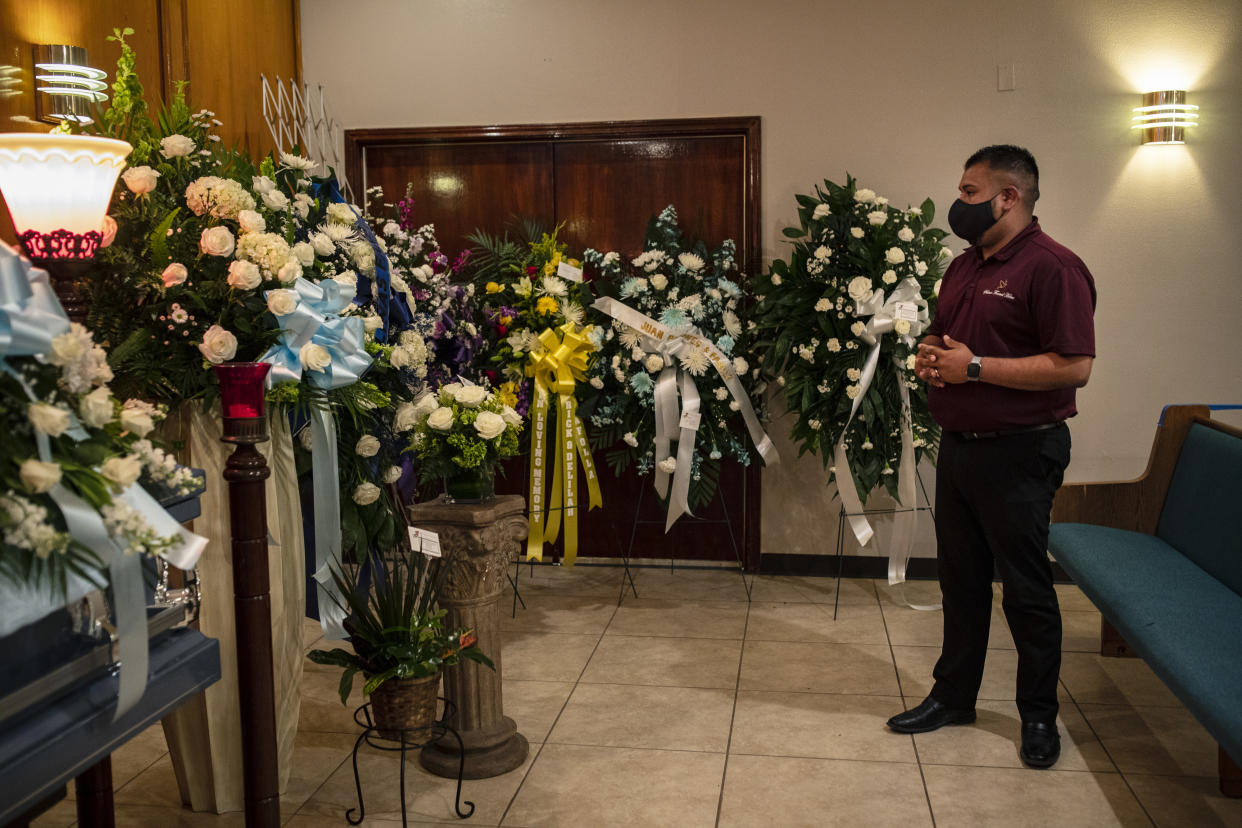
(507, 394)
(546, 304)
(506, 320)
(575, 263)
(550, 268)
(492, 287)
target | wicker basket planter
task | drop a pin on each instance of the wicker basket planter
(405, 704)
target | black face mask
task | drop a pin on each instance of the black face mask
(971, 221)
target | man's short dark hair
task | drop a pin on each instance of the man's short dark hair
(1011, 159)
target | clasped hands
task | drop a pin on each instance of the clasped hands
(941, 366)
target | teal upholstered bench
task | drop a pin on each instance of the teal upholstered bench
(1161, 557)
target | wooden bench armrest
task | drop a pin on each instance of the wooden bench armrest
(1132, 504)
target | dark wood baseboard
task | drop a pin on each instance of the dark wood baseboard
(860, 566)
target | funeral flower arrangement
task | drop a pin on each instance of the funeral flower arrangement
(840, 322)
(67, 443)
(690, 291)
(524, 291)
(462, 428)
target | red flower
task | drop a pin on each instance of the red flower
(469, 640)
(501, 330)
(531, 270)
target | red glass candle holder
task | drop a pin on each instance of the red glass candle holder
(241, 397)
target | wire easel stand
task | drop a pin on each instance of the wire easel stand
(434, 733)
(841, 530)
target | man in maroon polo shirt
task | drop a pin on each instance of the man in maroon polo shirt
(1012, 338)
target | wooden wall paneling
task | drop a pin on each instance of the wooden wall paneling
(230, 43)
(464, 187)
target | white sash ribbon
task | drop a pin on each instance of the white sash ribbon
(674, 421)
(905, 302)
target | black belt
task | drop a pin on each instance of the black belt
(987, 435)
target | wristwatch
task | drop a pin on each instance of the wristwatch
(972, 370)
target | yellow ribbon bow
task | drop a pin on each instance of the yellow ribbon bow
(556, 368)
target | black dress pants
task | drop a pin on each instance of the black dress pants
(993, 503)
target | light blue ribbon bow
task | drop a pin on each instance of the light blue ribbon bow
(30, 314)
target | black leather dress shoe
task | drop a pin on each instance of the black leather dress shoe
(928, 716)
(1041, 744)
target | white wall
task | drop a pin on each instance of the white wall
(897, 94)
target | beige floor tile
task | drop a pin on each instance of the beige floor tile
(548, 612)
(316, 756)
(61, 815)
(136, 755)
(312, 631)
(658, 718)
(766, 791)
(996, 736)
(970, 797)
(583, 579)
(854, 624)
(818, 725)
(600, 787)
(818, 668)
(1185, 801)
(428, 798)
(1168, 741)
(534, 705)
(322, 710)
(812, 589)
(156, 786)
(1080, 631)
(922, 593)
(679, 619)
(541, 656)
(316, 821)
(1071, 598)
(1095, 679)
(1000, 670)
(153, 816)
(690, 585)
(674, 662)
(912, 628)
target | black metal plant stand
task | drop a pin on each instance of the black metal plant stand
(433, 732)
(841, 531)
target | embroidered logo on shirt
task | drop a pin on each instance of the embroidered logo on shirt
(999, 290)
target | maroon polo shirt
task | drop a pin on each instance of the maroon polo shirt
(1032, 296)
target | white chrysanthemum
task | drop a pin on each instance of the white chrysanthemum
(629, 337)
(721, 394)
(573, 312)
(693, 305)
(553, 286)
(732, 325)
(695, 361)
(297, 162)
(690, 262)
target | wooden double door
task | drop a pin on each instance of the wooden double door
(603, 182)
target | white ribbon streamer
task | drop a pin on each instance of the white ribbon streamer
(683, 420)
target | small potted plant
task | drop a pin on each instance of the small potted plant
(460, 433)
(400, 644)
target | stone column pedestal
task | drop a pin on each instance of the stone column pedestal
(481, 541)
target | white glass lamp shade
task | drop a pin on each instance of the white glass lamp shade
(59, 182)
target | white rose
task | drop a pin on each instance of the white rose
(889, 277)
(659, 281)
(276, 200)
(282, 302)
(860, 288)
(96, 408)
(314, 357)
(262, 184)
(244, 275)
(489, 425)
(821, 210)
(471, 395)
(137, 421)
(290, 271)
(108, 231)
(424, 406)
(856, 232)
(174, 274)
(305, 251)
(878, 217)
(367, 446)
(366, 494)
(511, 416)
(894, 255)
(372, 323)
(218, 345)
(654, 363)
(347, 280)
(324, 246)
(405, 417)
(38, 476)
(905, 234)
(217, 241)
(920, 267)
(902, 327)
(140, 180)
(441, 419)
(49, 419)
(392, 474)
(175, 146)
(341, 214)
(67, 348)
(123, 471)
(251, 222)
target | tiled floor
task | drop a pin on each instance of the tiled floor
(690, 706)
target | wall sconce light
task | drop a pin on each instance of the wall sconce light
(58, 188)
(1164, 116)
(66, 85)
